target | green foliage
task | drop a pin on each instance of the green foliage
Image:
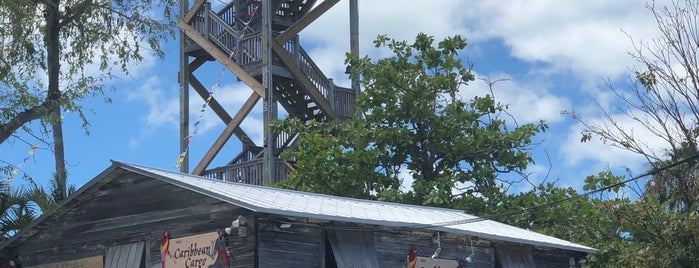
(16, 211)
(413, 122)
(94, 37)
(55, 53)
(19, 207)
(335, 159)
(677, 187)
(47, 200)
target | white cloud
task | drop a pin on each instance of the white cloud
(162, 110)
(601, 154)
(527, 101)
(580, 40)
(583, 36)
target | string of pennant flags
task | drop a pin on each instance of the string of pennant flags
(180, 159)
(14, 170)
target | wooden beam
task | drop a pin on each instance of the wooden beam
(305, 82)
(306, 20)
(225, 135)
(196, 63)
(219, 110)
(222, 58)
(192, 11)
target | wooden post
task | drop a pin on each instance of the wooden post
(183, 78)
(354, 43)
(207, 9)
(297, 51)
(270, 104)
(331, 94)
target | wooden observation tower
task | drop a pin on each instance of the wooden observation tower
(257, 40)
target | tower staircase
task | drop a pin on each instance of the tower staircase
(233, 37)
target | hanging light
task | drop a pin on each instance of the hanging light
(236, 224)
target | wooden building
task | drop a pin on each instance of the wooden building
(124, 216)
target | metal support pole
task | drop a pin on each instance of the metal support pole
(183, 79)
(354, 43)
(270, 104)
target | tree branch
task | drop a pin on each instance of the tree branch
(22, 118)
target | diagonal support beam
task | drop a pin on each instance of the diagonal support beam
(306, 20)
(305, 82)
(192, 11)
(225, 135)
(196, 63)
(222, 58)
(219, 110)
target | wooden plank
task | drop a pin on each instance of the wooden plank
(95, 261)
(222, 58)
(226, 134)
(298, 246)
(305, 82)
(310, 17)
(219, 110)
(192, 11)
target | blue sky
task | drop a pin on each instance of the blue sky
(555, 56)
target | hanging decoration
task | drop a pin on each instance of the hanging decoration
(180, 159)
(17, 168)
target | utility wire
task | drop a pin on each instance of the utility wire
(553, 203)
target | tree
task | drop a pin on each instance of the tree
(47, 200)
(663, 99)
(16, 211)
(413, 121)
(47, 47)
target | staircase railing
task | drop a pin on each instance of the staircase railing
(218, 29)
(250, 172)
(344, 102)
(282, 141)
(248, 49)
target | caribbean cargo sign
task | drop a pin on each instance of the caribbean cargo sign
(197, 251)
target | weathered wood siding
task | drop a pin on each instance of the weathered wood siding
(551, 258)
(132, 208)
(299, 246)
(393, 246)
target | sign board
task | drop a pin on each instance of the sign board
(427, 262)
(91, 262)
(197, 251)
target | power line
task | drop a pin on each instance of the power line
(553, 203)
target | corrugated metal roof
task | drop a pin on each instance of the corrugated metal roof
(324, 207)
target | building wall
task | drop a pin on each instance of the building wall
(132, 208)
(393, 246)
(301, 245)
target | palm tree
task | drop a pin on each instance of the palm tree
(16, 211)
(48, 201)
(20, 206)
